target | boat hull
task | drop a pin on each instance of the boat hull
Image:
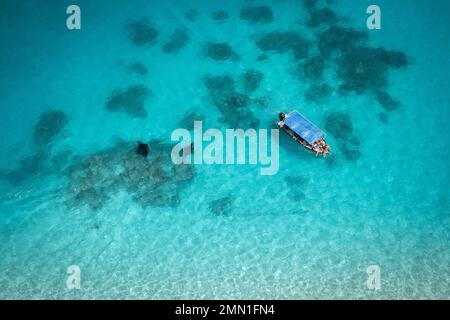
(301, 141)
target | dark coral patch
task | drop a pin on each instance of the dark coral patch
(219, 84)
(130, 100)
(262, 101)
(394, 59)
(361, 71)
(191, 15)
(220, 51)
(365, 70)
(297, 181)
(386, 101)
(28, 167)
(233, 105)
(220, 15)
(339, 38)
(62, 159)
(298, 195)
(177, 41)
(258, 14)
(284, 42)
(141, 32)
(350, 148)
(321, 16)
(38, 165)
(151, 181)
(235, 101)
(318, 92)
(296, 185)
(310, 4)
(262, 57)
(222, 206)
(339, 124)
(187, 122)
(49, 126)
(314, 67)
(138, 68)
(237, 114)
(252, 79)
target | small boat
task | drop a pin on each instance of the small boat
(304, 132)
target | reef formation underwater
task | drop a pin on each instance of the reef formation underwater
(322, 44)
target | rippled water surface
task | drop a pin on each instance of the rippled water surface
(73, 191)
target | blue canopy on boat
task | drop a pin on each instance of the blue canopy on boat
(303, 127)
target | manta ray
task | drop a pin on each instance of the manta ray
(142, 148)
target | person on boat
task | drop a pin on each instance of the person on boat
(316, 148)
(281, 116)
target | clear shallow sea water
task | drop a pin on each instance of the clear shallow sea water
(308, 232)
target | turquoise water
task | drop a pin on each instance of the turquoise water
(73, 194)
